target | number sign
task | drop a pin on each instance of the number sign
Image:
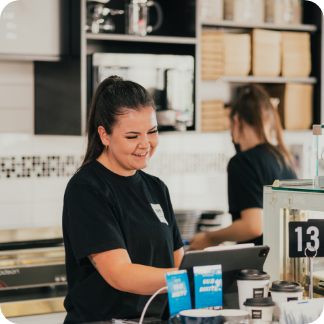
(304, 234)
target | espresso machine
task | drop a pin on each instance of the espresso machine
(289, 202)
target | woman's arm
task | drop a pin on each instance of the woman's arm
(178, 255)
(248, 227)
(117, 269)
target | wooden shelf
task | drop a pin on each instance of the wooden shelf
(149, 39)
(257, 79)
(232, 24)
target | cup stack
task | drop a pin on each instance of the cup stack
(214, 116)
(211, 55)
(296, 54)
(237, 54)
(266, 52)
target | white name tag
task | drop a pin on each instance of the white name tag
(159, 213)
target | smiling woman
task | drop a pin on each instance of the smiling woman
(120, 233)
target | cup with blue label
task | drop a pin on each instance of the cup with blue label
(197, 316)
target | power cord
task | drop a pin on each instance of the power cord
(149, 302)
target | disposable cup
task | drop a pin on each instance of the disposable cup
(252, 284)
(260, 308)
(285, 291)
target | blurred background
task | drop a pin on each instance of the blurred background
(193, 56)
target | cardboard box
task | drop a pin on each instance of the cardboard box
(296, 54)
(283, 12)
(214, 116)
(266, 52)
(244, 10)
(296, 104)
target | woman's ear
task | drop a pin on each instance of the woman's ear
(103, 136)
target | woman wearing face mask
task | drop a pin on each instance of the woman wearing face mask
(120, 233)
(258, 162)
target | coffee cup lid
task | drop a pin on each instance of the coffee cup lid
(250, 274)
(286, 286)
(259, 302)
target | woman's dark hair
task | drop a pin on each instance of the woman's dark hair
(254, 107)
(114, 97)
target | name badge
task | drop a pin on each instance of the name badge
(178, 291)
(208, 286)
(159, 213)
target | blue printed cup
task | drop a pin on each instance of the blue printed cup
(197, 316)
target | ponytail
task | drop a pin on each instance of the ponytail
(255, 108)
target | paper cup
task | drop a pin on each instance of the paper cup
(252, 284)
(260, 308)
(285, 291)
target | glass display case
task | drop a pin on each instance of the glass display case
(289, 201)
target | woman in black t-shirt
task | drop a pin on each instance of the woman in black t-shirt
(120, 233)
(261, 158)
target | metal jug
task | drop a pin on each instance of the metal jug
(137, 13)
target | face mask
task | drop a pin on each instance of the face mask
(237, 148)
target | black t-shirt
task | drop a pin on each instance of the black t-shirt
(248, 172)
(104, 211)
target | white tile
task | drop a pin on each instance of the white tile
(16, 121)
(15, 191)
(196, 184)
(15, 216)
(59, 145)
(174, 183)
(16, 96)
(204, 202)
(16, 72)
(16, 144)
(170, 143)
(47, 214)
(49, 190)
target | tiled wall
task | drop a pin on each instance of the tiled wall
(17, 97)
(34, 171)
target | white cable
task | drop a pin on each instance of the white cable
(148, 304)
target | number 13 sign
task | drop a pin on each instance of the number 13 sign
(304, 234)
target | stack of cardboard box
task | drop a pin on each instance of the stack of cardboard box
(214, 116)
(212, 55)
(296, 54)
(266, 52)
(237, 54)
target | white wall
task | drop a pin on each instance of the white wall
(16, 97)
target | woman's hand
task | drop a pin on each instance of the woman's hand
(200, 241)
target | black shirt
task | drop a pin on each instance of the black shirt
(248, 172)
(104, 211)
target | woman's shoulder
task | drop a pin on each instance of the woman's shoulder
(151, 179)
(88, 175)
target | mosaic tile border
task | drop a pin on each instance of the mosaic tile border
(15, 167)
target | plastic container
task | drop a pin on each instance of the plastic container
(252, 284)
(260, 308)
(285, 291)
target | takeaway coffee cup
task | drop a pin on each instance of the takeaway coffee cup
(229, 315)
(260, 308)
(197, 316)
(285, 291)
(252, 284)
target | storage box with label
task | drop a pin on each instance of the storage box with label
(212, 50)
(296, 104)
(283, 11)
(296, 54)
(266, 52)
(244, 10)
